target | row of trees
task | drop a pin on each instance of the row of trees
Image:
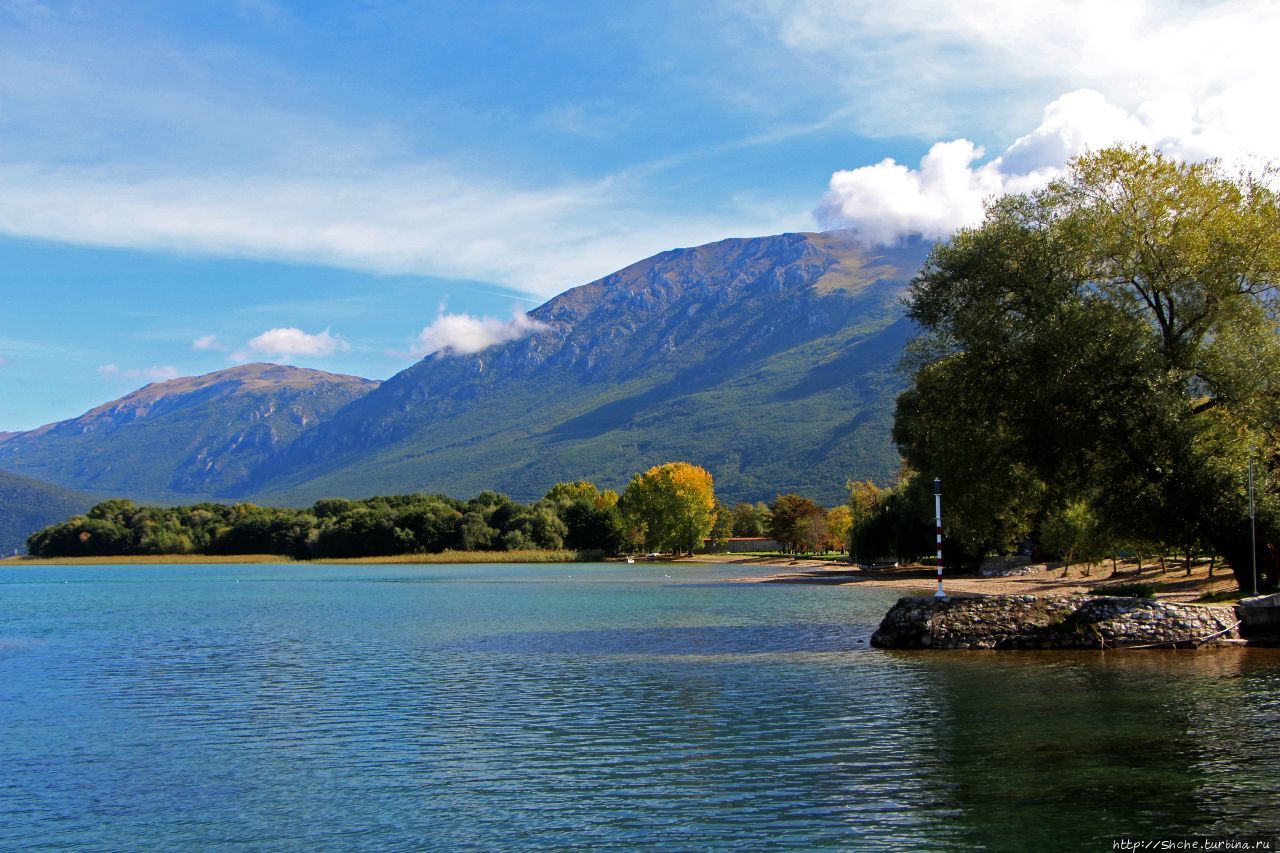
(668, 508)
(1099, 364)
(673, 508)
(576, 516)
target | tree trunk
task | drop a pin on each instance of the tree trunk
(1238, 554)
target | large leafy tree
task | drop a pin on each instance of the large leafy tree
(839, 523)
(590, 515)
(750, 519)
(794, 522)
(1110, 340)
(674, 504)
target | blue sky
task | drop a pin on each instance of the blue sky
(348, 186)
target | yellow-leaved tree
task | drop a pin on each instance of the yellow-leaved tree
(674, 504)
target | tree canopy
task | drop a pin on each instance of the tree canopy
(673, 505)
(580, 518)
(1106, 346)
(796, 522)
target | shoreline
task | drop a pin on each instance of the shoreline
(443, 558)
(1171, 584)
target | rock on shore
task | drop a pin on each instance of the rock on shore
(1049, 622)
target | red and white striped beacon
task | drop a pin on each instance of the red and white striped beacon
(937, 515)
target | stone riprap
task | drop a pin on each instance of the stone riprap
(1049, 622)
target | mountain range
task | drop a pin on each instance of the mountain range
(183, 439)
(27, 505)
(770, 361)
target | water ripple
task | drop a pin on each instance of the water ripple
(445, 715)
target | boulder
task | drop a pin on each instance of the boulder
(1051, 622)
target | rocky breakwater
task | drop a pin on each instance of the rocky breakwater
(1051, 622)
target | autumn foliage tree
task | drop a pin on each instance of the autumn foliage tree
(839, 524)
(672, 504)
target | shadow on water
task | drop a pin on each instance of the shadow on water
(696, 640)
(1066, 751)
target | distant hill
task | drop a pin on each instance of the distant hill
(27, 505)
(184, 439)
(769, 361)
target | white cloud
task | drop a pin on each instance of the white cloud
(208, 342)
(287, 342)
(948, 189)
(204, 148)
(928, 67)
(130, 144)
(462, 334)
(423, 220)
(155, 373)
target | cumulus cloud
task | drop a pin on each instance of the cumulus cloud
(154, 373)
(208, 342)
(947, 190)
(287, 342)
(462, 334)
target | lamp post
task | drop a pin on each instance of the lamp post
(937, 516)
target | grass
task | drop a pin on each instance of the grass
(776, 555)
(150, 559)
(1222, 596)
(525, 556)
(532, 555)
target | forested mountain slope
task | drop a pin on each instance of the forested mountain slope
(769, 361)
(27, 505)
(185, 438)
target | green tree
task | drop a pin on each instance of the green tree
(1075, 534)
(591, 516)
(747, 520)
(722, 527)
(793, 521)
(1110, 339)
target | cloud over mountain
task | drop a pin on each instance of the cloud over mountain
(462, 334)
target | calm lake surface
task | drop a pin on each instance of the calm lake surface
(605, 706)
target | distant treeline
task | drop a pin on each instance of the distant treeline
(670, 508)
(573, 516)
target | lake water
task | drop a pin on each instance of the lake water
(575, 706)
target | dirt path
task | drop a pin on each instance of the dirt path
(1171, 584)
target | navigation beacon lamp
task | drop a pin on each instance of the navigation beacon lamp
(937, 515)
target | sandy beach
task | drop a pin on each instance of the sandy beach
(1172, 584)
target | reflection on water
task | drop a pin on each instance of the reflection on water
(1170, 743)
(518, 708)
